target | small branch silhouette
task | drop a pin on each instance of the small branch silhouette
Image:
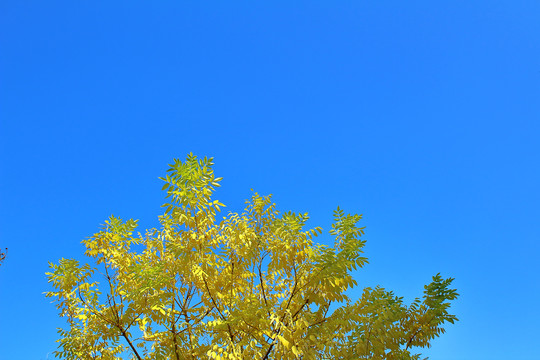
(3, 256)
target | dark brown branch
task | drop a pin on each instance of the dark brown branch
(174, 330)
(124, 334)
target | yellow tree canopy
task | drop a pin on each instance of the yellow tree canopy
(252, 286)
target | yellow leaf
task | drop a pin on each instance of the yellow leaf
(284, 341)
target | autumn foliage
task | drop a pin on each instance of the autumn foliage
(253, 285)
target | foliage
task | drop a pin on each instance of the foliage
(252, 286)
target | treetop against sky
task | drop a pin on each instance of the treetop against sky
(254, 285)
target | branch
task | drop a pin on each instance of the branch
(217, 308)
(124, 334)
(174, 329)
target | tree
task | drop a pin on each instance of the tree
(252, 286)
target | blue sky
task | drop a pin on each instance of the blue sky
(421, 115)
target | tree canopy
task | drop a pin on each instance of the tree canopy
(253, 285)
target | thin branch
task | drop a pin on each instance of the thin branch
(174, 330)
(124, 334)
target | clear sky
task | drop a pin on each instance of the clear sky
(421, 115)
